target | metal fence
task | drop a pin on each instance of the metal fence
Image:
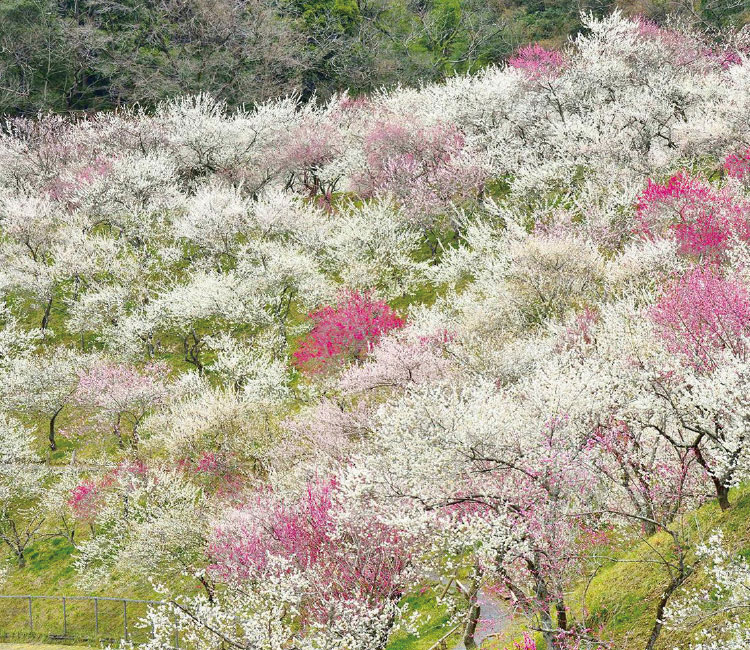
(442, 642)
(81, 618)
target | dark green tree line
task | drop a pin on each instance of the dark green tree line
(84, 55)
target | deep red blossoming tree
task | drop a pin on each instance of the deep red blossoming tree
(345, 331)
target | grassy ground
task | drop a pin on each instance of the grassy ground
(38, 646)
(622, 597)
(432, 626)
(49, 571)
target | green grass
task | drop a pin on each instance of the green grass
(49, 571)
(38, 646)
(621, 599)
(55, 556)
(432, 625)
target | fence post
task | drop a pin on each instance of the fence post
(31, 617)
(96, 615)
(125, 617)
(65, 618)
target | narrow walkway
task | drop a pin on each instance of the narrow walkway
(494, 617)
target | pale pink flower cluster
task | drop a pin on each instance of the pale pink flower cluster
(537, 62)
(423, 167)
(703, 314)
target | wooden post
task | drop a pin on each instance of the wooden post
(96, 615)
(31, 617)
(65, 618)
(125, 617)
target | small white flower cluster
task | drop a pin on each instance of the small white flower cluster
(723, 607)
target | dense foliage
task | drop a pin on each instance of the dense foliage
(311, 358)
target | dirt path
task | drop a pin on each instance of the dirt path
(494, 617)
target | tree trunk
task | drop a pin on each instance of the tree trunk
(472, 613)
(45, 318)
(472, 619)
(192, 350)
(722, 493)
(562, 614)
(543, 607)
(209, 589)
(550, 642)
(118, 433)
(52, 443)
(675, 583)
(136, 438)
(649, 527)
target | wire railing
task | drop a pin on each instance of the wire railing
(81, 618)
(442, 642)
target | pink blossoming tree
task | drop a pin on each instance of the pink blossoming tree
(537, 62)
(702, 218)
(424, 167)
(305, 152)
(118, 392)
(737, 165)
(345, 331)
(344, 559)
(703, 314)
(84, 500)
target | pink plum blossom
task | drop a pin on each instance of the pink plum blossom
(352, 560)
(537, 62)
(702, 218)
(85, 500)
(345, 331)
(702, 314)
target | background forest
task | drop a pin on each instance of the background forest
(84, 55)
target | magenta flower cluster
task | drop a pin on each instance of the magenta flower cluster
(345, 331)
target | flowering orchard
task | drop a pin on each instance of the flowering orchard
(300, 364)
